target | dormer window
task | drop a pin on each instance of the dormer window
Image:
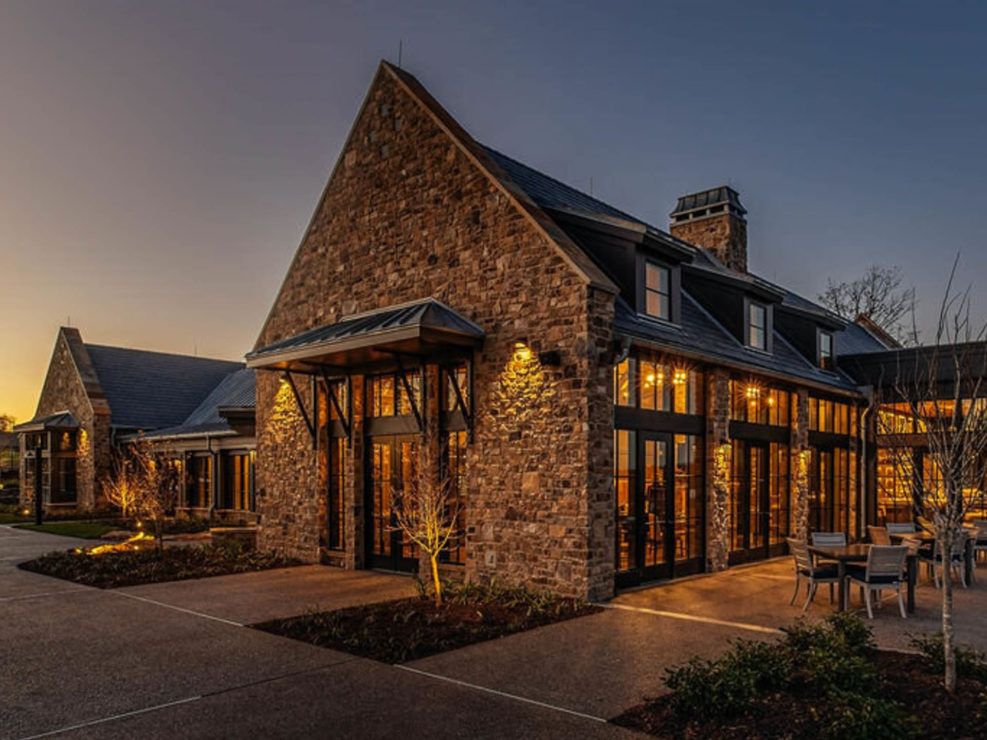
(657, 291)
(757, 326)
(826, 350)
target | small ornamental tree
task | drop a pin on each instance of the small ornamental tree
(426, 511)
(121, 486)
(145, 484)
(945, 391)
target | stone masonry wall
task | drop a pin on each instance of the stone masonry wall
(724, 235)
(64, 390)
(717, 469)
(407, 214)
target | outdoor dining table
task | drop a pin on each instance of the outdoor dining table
(857, 553)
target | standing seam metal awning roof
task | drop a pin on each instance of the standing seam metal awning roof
(410, 327)
(60, 420)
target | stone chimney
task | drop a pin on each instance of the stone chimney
(714, 219)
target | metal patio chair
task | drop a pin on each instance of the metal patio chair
(806, 569)
(901, 528)
(885, 569)
(957, 559)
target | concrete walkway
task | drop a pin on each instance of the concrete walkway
(170, 660)
(174, 659)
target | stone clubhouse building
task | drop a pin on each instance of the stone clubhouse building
(612, 403)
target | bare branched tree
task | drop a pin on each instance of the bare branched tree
(880, 295)
(942, 387)
(427, 510)
(122, 485)
(153, 477)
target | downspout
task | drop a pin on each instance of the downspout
(868, 392)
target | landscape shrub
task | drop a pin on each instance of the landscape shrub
(970, 663)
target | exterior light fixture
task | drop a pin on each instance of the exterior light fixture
(680, 377)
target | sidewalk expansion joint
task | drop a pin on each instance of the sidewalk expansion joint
(695, 618)
(504, 694)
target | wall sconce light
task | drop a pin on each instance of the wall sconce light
(680, 377)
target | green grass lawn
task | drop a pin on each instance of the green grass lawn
(85, 530)
(11, 518)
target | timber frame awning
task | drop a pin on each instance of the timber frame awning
(423, 329)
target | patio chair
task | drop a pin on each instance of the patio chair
(957, 559)
(879, 535)
(901, 527)
(829, 539)
(885, 569)
(980, 545)
(806, 569)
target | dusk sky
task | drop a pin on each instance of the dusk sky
(160, 160)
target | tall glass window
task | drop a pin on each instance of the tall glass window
(455, 466)
(758, 404)
(657, 291)
(336, 539)
(757, 326)
(688, 497)
(624, 477)
(387, 396)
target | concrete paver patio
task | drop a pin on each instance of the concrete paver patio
(172, 659)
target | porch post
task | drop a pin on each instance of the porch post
(718, 470)
(800, 466)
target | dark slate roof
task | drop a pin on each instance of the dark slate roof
(548, 192)
(237, 390)
(60, 420)
(426, 313)
(706, 198)
(153, 390)
(699, 335)
(856, 340)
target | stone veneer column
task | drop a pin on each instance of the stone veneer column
(800, 465)
(718, 470)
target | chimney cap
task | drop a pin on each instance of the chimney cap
(697, 205)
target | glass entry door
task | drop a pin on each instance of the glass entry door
(660, 509)
(393, 464)
(759, 501)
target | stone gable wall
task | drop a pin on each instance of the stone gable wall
(408, 215)
(64, 390)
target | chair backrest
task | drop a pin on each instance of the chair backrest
(912, 544)
(957, 552)
(878, 535)
(901, 527)
(829, 539)
(886, 561)
(800, 551)
(981, 526)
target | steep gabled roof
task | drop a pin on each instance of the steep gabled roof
(236, 390)
(151, 390)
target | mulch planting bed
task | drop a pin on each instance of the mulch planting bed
(798, 711)
(408, 629)
(137, 567)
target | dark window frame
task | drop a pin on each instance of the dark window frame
(749, 306)
(824, 360)
(674, 288)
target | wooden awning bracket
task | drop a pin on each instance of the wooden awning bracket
(460, 401)
(344, 417)
(301, 407)
(411, 396)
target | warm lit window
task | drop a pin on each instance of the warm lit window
(456, 377)
(758, 404)
(826, 350)
(236, 482)
(337, 485)
(624, 383)
(657, 291)
(387, 395)
(757, 326)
